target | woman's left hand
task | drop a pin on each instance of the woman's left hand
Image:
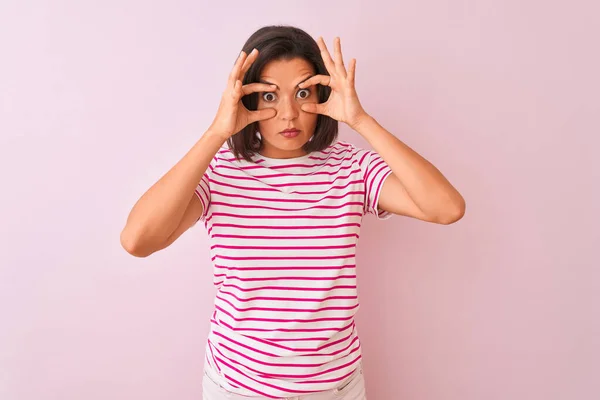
(343, 104)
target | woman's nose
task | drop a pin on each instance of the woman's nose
(289, 109)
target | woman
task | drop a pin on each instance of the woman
(283, 204)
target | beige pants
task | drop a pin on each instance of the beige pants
(352, 388)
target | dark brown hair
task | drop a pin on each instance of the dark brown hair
(280, 42)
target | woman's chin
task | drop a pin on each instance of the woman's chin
(288, 144)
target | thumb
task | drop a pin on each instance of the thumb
(265, 113)
(314, 108)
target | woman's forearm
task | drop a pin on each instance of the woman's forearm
(424, 183)
(159, 211)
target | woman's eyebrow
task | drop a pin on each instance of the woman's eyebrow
(269, 83)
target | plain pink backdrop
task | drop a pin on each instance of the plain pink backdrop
(99, 98)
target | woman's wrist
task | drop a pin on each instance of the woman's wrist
(216, 133)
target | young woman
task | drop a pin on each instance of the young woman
(283, 203)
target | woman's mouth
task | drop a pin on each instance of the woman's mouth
(290, 133)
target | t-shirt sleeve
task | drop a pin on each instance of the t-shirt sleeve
(204, 187)
(374, 172)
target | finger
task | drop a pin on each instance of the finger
(339, 60)
(236, 92)
(324, 80)
(257, 87)
(233, 76)
(329, 64)
(261, 115)
(248, 63)
(352, 71)
(314, 108)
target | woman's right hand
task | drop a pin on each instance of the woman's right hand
(232, 116)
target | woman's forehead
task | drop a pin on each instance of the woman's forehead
(286, 71)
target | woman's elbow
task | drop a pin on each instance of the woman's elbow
(453, 213)
(132, 244)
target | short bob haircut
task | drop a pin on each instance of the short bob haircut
(279, 42)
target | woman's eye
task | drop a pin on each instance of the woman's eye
(269, 96)
(306, 91)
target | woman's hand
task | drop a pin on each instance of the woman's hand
(232, 116)
(343, 104)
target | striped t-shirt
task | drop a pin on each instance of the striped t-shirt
(283, 236)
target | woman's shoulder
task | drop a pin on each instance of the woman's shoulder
(341, 147)
(349, 150)
(224, 156)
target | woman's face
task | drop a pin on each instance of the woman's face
(286, 100)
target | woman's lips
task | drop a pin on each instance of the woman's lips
(290, 133)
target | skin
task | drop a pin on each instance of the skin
(416, 188)
(287, 100)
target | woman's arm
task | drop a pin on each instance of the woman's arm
(416, 188)
(156, 216)
(157, 219)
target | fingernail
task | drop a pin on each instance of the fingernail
(241, 53)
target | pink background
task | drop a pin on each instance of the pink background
(99, 98)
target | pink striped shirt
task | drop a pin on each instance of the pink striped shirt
(283, 235)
